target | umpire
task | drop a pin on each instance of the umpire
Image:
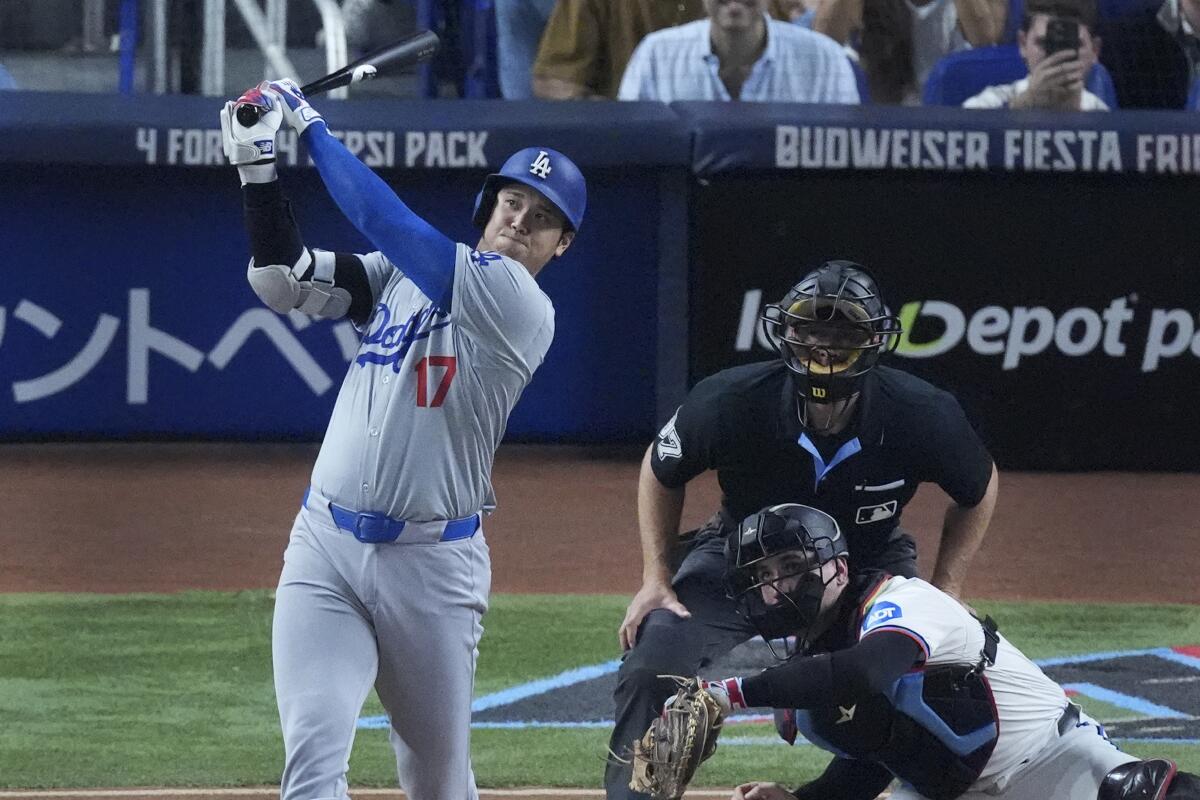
(822, 426)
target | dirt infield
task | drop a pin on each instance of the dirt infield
(168, 517)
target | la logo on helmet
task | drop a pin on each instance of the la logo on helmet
(541, 165)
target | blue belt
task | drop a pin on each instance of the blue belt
(372, 527)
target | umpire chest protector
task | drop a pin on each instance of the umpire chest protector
(743, 423)
(935, 729)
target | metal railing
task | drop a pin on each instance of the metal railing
(269, 31)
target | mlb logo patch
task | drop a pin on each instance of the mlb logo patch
(868, 514)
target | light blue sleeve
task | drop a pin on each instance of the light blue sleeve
(418, 249)
(638, 81)
(845, 84)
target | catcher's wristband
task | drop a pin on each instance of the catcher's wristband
(732, 687)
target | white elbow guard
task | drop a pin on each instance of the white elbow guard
(282, 290)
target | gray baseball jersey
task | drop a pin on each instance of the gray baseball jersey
(441, 385)
(413, 433)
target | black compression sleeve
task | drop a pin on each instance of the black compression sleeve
(800, 683)
(275, 239)
(349, 273)
(846, 779)
(274, 236)
(867, 668)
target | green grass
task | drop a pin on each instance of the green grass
(175, 690)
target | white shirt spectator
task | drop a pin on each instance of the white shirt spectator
(1002, 95)
(797, 66)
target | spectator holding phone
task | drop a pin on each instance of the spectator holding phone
(1059, 47)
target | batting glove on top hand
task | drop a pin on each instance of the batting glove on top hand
(252, 149)
(296, 110)
(256, 143)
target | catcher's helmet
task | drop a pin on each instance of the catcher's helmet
(548, 171)
(831, 328)
(796, 584)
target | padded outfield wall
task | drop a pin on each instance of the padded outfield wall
(1045, 265)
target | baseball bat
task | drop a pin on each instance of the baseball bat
(410, 50)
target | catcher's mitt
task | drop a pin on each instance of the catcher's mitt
(667, 756)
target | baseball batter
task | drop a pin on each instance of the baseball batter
(900, 680)
(386, 575)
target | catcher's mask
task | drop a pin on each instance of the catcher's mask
(831, 329)
(774, 570)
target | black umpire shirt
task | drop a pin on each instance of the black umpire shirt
(743, 423)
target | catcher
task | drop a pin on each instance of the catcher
(900, 680)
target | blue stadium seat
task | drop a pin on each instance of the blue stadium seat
(6, 80)
(469, 63)
(957, 76)
(1193, 101)
(478, 19)
(1016, 9)
(1118, 9)
(860, 78)
(966, 73)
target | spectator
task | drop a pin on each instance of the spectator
(1181, 19)
(739, 53)
(519, 26)
(899, 41)
(1055, 80)
(587, 43)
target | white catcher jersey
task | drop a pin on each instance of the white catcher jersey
(427, 397)
(1028, 702)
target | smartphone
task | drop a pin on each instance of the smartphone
(1061, 34)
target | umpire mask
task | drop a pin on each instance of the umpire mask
(774, 569)
(831, 329)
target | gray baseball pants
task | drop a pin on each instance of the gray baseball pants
(404, 617)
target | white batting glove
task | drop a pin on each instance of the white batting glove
(296, 110)
(252, 148)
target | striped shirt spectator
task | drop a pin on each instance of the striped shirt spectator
(687, 63)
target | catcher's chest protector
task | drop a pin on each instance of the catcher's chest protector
(934, 730)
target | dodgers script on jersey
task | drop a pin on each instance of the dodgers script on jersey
(440, 382)
(1026, 699)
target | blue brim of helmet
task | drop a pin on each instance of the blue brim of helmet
(493, 182)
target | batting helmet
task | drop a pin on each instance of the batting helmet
(796, 584)
(831, 328)
(548, 171)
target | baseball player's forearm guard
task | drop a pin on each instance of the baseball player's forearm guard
(285, 274)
